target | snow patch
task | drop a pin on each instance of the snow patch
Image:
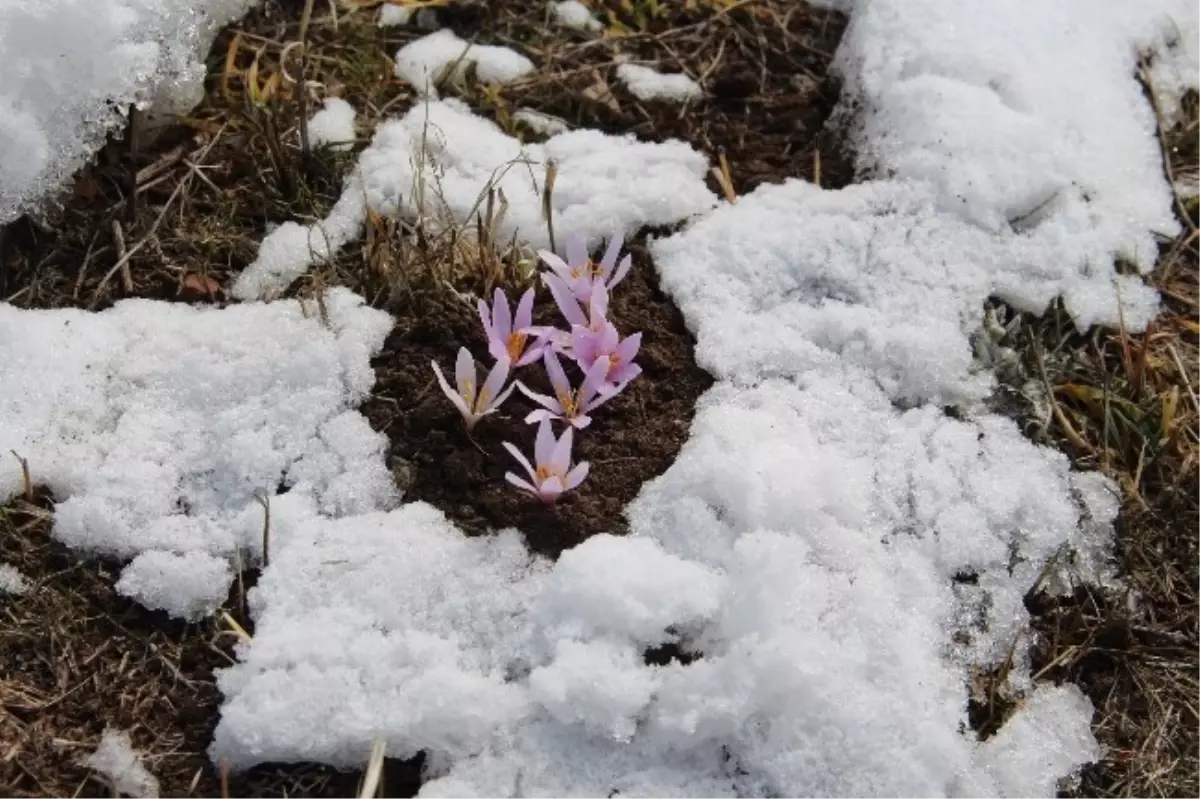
(645, 83)
(541, 123)
(158, 425)
(73, 68)
(333, 125)
(117, 760)
(439, 159)
(12, 581)
(422, 63)
(574, 14)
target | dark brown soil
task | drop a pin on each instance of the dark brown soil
(632, 439)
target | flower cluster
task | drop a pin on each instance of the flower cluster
(580, 287)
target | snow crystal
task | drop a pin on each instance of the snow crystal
(333, 124)
(117, 760)
(574, 14)
(649, 84)
(439, 159)
(156, 424)
(541, 123)
(12, 581)
(73, 68)
(190, 585)
(999, 113)
(423, 62)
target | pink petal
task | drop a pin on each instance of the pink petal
(540, 415)
(554, 262)
(543, 447)
(595, 378)
(610, 254)
(501, 316)
(580, 422)
(550, 490)
(598, 306)
(621, 376)
(560, 457)
(622, 270)
(609, 339)
(464, 375)
(521, 484)
(576, 475)
(583, 346)
(565, 300)
(524, 318)
(540, 399)
(577, 254)
(451, 393)
(532, 353)
(489, 396)
(521, 459)
(627, 350)
(485, 316)
(558, 378)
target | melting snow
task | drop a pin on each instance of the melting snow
(72, 68)
(333, 124)
(12, 581)
(117, 760)
(423, 62)
(157, 424)
(439, 159)
(574, 14)
(649, 84)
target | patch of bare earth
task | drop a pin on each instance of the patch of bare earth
(177, 216)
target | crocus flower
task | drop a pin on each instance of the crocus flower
(472, 404)
(570, 406)
(554, 473)
(594, 320)
(581, 274)
(587, 347)
(508, 336)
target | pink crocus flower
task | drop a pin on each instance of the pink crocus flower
(471, 403)
(594, 320)
(508, 336)
(553, 474)
(587, 347)
(568, 405)
(581, 273)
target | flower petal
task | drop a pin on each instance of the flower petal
(489, 395)
(521, 459)
(627, 350)
(560, 456)
(541, 399)
(580, 422)
(537, 416)
(521, 484)
(622, 270)
(451, 393)
(554, 262)
(577, 253)
(532, 353)
(485, 316)
(543, 446)
(558, 378)
(576, 475)
(595, 378)
(565, 299)
(621, 376)
(501, 315)
(464, 375)
(583, 346)
(550, 490)
(598, 307)
(611, 253)
(523, 321)
(609, 339)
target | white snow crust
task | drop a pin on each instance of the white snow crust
(12, 582)
(422, 62)
(574, 14)
(646, 83)
(438, 160)
(333, 124)
(156, 425)
(72, 68)
(117, 760)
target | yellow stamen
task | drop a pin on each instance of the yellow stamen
(569, 403)
(469, 393)
(516, 345)
(481, 403)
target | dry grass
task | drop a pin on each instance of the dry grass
(1126, 404)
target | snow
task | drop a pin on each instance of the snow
(12, 581)
(390, 15)
(423, 61)
(439, 159)
(574, 14)
(334, 124)
(157, 424)
(117, 760)
(650, 84)
(73, 68)
(541, 123)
